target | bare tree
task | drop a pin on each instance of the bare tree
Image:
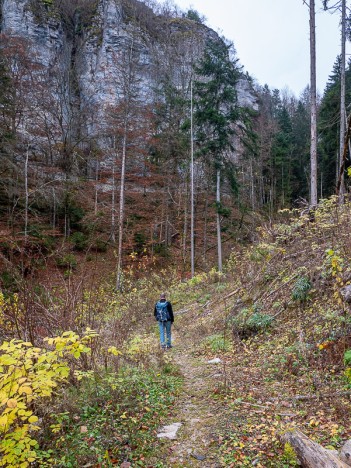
(313, 99)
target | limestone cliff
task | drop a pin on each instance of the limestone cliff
(93, 46)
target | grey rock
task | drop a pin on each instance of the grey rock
(214, 361)
(346, 293)
(169, 432)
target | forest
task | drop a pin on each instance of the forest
(139, 157)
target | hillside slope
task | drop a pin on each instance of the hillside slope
(280, 324)
(278, 320)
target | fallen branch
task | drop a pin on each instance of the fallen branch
(312, 455)
(320, 397)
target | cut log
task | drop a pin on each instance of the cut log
(310, 454)
(345, 453)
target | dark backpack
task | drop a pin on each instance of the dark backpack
(162, 314)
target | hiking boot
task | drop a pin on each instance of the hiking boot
(169, 346)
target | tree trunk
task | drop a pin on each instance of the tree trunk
(96, 187)
(185, 229)
(192, 215)
(310, 454)
(121, 211)
(313, 97)
(54, 208)
(26, 194)
(205, 228)
(219, 236)
(113, 205)
(342, 97)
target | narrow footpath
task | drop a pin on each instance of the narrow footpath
(197, 411)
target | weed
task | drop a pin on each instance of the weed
(217, 343)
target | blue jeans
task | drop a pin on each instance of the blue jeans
(165, 325)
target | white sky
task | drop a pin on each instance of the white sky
(271, 38)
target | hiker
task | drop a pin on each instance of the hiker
(164, 315)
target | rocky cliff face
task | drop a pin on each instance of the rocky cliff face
(95, 55)
(98, 49)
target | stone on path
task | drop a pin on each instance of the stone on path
(169, 432)
(198, 457)
(214, 361)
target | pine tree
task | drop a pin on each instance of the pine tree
(282, 157)
(300, 160)
(216, 114)
(329, 127)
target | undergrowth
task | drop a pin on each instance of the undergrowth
(113, 419)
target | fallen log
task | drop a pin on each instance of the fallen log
(321, 396)
(345, 453)
(312, 455)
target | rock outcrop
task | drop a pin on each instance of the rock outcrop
(97, 49)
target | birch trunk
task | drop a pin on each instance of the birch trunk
(313, 98)
(113, 206)
(342, 97)
(26, 194)
(121, 211)
(219, 235)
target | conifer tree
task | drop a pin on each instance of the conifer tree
(341, 5)
(216, 114)
(329, 126)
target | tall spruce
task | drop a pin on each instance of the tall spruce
(216, 113)
(333, 6)
(329, 126)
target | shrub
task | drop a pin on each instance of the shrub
(79, 241)
(99, 245)
(67, 261)
(29, 374)
(247, 324)
(301, 289)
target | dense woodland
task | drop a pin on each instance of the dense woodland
(105, 204)
(62, 174)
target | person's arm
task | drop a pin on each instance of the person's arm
(170, 311)
(155, 313)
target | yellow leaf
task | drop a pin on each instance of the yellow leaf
(33, 419)
(12, 403)
(3, 420)
(26, 390)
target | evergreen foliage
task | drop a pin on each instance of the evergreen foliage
(216, 104)
(328, 126)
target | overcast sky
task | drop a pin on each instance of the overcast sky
(271, 38)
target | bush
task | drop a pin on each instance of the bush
(67, 261)
(79, 241)
(247, 324)
(301, 289)
(99, 245)
(37, 371)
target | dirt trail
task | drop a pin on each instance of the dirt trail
(199, 414)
